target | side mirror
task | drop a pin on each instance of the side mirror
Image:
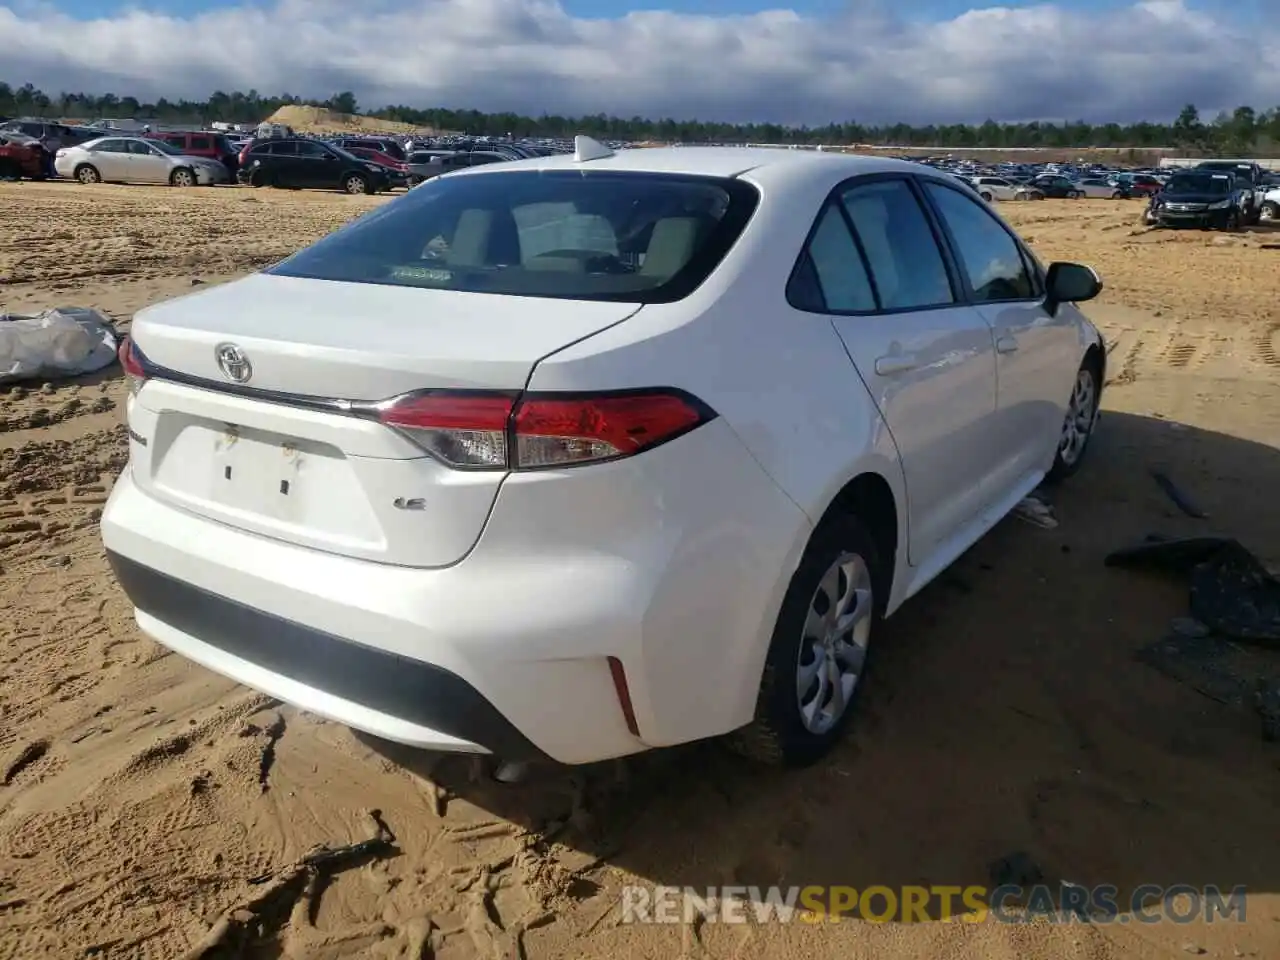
(1070, 283)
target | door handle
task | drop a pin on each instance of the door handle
(1006, 344)
(896, 363)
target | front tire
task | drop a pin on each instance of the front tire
(356, 185)
(182, 177)
(986, 196)
(1079, 423)
(87, 173)
(1269, 213)
(817, 658)
(1074, 195)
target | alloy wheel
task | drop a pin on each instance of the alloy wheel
(1081, 413)
(833, 647)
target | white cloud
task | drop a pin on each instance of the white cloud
(530, 56)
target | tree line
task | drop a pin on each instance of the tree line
(1242, 131)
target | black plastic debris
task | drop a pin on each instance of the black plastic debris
(1208, 665)
(1232, 593)
(1174, 493)
(1267, 700)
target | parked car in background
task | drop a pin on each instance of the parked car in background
(425, 164)
(1251, 179)
(397, 172)
(1000, 188)
(1141, 185)
(383, 145)
(299, 163)
(1270, 210)
(52, 135)
(1096, 188)
(1058, 187)
(503, 448)
(21, 156)
(215, 146)
(137, 160)
(1199, 198)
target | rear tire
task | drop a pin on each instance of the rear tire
(87, 173)
(817, 660)
(1074, 195)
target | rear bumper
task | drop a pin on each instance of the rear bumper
(674, 563)
(297, 662)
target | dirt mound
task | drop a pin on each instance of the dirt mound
(319, 120)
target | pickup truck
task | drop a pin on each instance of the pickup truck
(1250, 176)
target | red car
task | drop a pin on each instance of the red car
(21, 156)
(1143, 185)
(396, 170)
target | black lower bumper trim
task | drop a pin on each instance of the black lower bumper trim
(398, 686)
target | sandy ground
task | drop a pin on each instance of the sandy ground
(140, 794)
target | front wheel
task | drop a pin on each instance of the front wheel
(1074, 195)
(182, 177)
(1269, 213)
(986, 196)
(1077, 426)
(1117, 195)
(355, 185)
(817, 658)
(87, 173)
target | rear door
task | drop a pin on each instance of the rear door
(111, 158)
(925, 356)
(1036, 354)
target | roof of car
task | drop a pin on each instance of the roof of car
(717, 162)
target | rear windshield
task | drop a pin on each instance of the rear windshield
(1200, 183)
(636, 237)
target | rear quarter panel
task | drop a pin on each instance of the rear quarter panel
(779, 378)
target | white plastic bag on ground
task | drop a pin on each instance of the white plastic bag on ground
(62, 342)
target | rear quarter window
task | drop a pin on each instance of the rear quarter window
(633, 237)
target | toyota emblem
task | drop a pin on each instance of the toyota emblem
(233, 363)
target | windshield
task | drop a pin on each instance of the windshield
(635, 237)
(165, 148)
(1199, 183)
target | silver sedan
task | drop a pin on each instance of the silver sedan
(137, 160)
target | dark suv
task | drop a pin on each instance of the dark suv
(296, 163)
(198, 143)
(52, 135)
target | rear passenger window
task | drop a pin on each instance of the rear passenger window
(831, 277)
(901, 250)
(988, 255)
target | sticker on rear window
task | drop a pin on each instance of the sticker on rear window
(429, 274)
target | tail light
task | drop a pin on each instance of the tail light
(133, 362)
(502, 431)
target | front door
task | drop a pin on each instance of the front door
(147, 164)
(1036, 354)
(925, 357)
(315, 166)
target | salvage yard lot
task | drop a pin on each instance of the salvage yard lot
(139, 794)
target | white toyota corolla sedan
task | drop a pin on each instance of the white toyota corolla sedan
(578, 456)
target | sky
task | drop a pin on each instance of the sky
(802, 62)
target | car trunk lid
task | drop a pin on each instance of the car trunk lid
(282, 455)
